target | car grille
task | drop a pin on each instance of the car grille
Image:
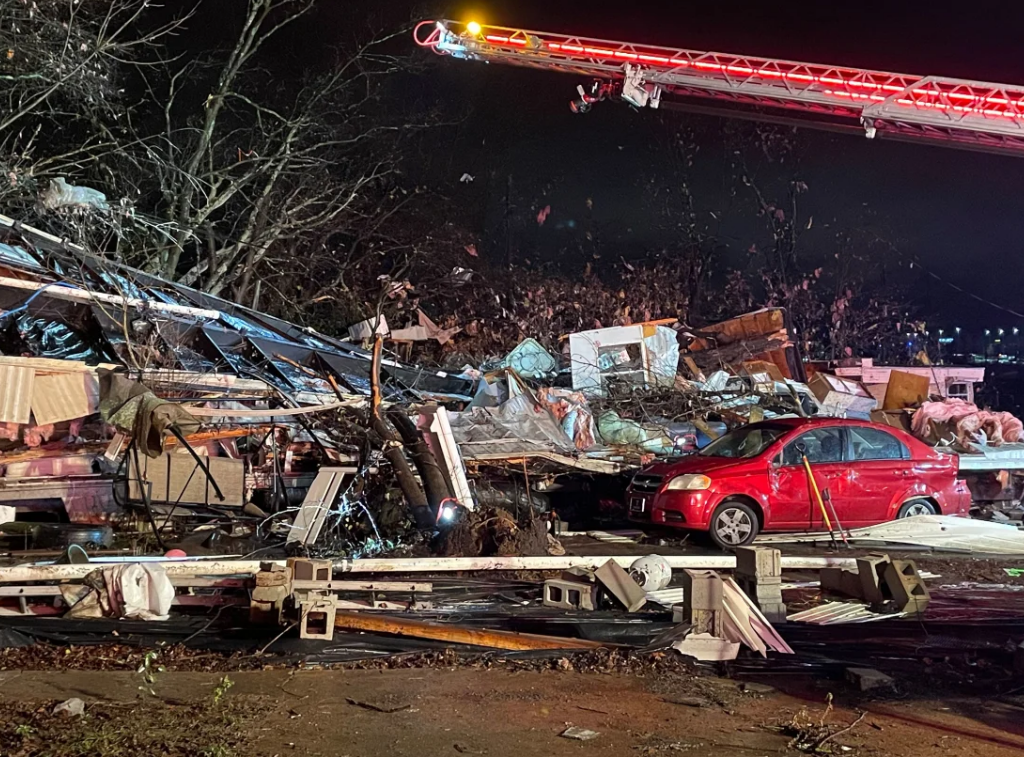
(643, 482)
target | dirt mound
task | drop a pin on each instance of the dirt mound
(491, 532)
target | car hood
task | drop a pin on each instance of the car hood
(692, 464)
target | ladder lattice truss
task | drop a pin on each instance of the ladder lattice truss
(970, 114)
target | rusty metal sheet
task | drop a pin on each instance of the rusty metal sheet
(16, 386)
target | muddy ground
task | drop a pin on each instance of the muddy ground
(419, 712)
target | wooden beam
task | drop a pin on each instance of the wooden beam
(458, 634)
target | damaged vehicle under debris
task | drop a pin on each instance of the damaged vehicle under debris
(756, 479)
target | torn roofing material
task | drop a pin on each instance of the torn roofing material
(85, 319)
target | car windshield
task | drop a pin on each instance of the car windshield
(744, 442)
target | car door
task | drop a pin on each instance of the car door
(879, 470)
(793, 503)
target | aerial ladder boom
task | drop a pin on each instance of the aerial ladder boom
(971, 114)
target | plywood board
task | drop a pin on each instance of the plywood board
(60, 397)
(176, 478)
(621, 586)
(905, 390)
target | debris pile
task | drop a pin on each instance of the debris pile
(412, 511)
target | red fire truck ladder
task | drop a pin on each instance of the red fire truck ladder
(970, 114)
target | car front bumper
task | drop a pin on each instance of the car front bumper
(679, 509)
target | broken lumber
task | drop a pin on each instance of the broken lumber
(458, 634)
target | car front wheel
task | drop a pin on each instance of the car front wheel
(916, 507)
(733, 524)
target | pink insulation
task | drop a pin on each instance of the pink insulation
(972, 424)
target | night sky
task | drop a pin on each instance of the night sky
(957, 212)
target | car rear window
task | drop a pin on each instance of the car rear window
(874, 444)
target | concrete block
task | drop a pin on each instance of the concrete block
(759, 562)
(570, 593)
(839, 581)
(906, 585)
(273, 578)
(316, 617)
(709, 648)
(270, 593)
(775, 613)
(303, 569)
(867, 679)
(702, 590)
(263, 613)
(869, 571)
(700, 621)
(707, 621)
(266, 605)
(851, 585)
(758, 590)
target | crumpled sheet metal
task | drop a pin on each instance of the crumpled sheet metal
(942, 533)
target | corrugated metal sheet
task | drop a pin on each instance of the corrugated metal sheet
(835, 613)
(16, 386)
(65, 396)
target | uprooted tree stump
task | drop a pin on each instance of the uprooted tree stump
(494, 532)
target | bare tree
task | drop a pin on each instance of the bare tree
(64, 65)
(254, 168)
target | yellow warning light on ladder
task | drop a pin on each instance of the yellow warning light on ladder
(473, 28)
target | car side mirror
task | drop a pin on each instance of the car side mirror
(776, 462)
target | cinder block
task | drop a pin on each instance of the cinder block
(702, 590)
(570, 593)
(707, 621)
(270, 593)
(867, 679)
(303, 569)
(907, 587)
(316, 617)
(775, 612)
(273, 578)
(869, 571)
(759, 562)
(839, 581)
(267, 604)
(851, 584)
(760, 591)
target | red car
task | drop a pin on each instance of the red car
(753, 479)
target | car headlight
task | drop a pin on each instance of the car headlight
(689, 482)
